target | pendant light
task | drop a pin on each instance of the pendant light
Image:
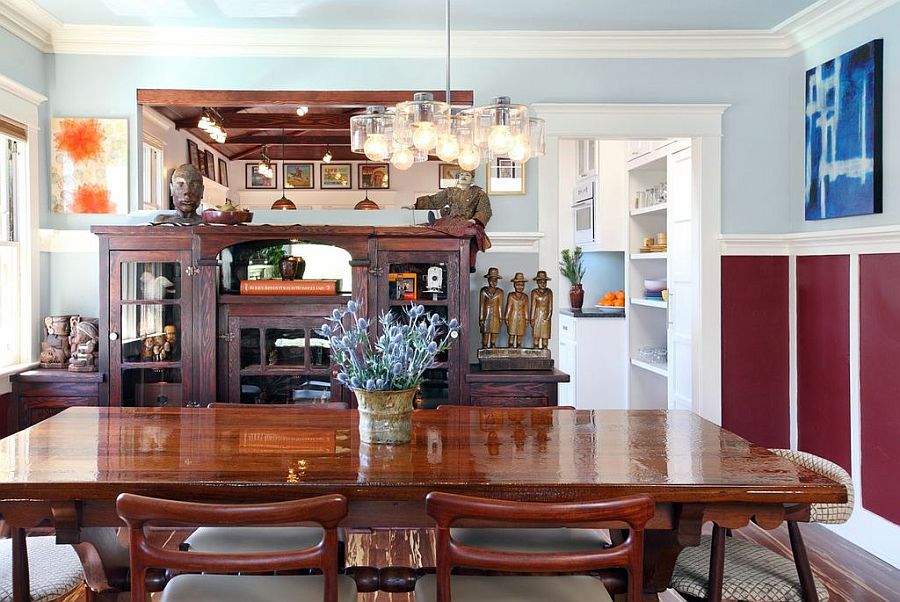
(327, 157)
(366, 204)
(284, 203)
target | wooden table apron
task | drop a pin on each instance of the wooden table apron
(68, 470)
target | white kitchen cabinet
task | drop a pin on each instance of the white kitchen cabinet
(586, 155)
(593, 352)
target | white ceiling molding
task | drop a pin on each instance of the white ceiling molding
(514, 242)
(877, 239)
(824, 18)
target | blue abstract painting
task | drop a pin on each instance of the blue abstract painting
(843, 135)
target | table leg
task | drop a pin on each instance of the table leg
(662, 547)
(21, 584)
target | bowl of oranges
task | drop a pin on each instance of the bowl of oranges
(612, 301)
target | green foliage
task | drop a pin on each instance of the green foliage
(572, 265)
(273, 256)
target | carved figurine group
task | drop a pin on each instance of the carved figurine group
(70, 342)
(520, 311)
(160, 347)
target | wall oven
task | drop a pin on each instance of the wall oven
(584, 210)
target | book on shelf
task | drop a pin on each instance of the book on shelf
(289, 287)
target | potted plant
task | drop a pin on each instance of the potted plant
(572, 268)
(385, 373)
(286, 267)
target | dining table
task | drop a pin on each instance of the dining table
(67, 471)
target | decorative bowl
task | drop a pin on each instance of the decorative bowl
(212, 216)
(654, 286)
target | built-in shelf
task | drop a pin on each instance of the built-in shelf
(660, 208)
(661, 369)
(265, 299)
(649, 302)
(430, 302)
(660, 255)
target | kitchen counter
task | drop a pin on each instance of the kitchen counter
(592, 313)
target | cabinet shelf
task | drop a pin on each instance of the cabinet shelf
(649, 302)
(660, 208)
(428, 302)
(264, 299)
(660, 369)
(150, 365)
(284, 371)
(643, 256)
(150, 301)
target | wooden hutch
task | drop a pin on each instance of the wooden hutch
(233, 347)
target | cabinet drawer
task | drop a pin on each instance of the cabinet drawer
(36, 409)
(509, 402)
(58, 389)
(510, 389)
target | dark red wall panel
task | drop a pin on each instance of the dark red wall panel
(823, 357)
(879, 375)
(755, 349)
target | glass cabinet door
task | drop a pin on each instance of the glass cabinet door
(149, 322)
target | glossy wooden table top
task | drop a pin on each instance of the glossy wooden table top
(250, 453)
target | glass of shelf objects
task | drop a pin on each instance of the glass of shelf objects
(285, 347)
(284, 389)
(420, 282)
(154, 387)
(151, 333)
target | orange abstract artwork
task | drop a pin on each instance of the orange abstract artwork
(81, 139)
(92, 198)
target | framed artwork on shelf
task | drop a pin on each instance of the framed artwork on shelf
(844, 135)
(447, 173)
(210, 165)
(193, 153)
(505, 176)
(374, 175)
(89, 165)
(223, 173)
(254, 179)
(336, 176)
(298, 175)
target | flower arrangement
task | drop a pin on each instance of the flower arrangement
(572, 265)
(398, 358)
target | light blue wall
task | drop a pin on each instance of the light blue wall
(755, 154)
(886, 25)
(22, 62)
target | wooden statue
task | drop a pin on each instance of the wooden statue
(541, 311)
(187, 192)
(85, 340)
(490, 309)
(55, 346)
(516, 315)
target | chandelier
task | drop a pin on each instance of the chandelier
(265, 163)
(410, 131)
(211, 123)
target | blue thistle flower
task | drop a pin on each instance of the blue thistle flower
(370, 384)
(454, 324)
(354, 382)
(361, 323)
(352, 306)
(432, 348)
(336, 314)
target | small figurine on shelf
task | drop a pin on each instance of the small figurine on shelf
(490, 309)
(516, 315)
(55, 346)
(541, 311)
(147, 350)
(84, 349)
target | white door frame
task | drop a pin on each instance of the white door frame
(703, 124)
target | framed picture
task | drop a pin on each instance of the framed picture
(254, 179)
(298, 175)
(210, 165)
(844, 135)
(374, 175)
(193, 153)
(336, 176)
(223, 173)
(89, 165)
(506, 176)
(447, 173)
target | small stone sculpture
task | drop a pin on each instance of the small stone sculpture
(517, 314)
(55, 348)
(541, 311)
(490, 309)
(85, 339)
(187, 192)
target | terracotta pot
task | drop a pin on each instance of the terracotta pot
(576, 296)
(385, 416)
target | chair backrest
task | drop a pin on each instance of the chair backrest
(312, 405)
(833, 514)
(447, 509)
(139, 512)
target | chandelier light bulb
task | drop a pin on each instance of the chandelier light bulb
(327, 157)
(301, 111)
(521, 150)
(469, 157)
(500, 140)
(425, 137)
(376, 147)
(448, 149)
(403, 158)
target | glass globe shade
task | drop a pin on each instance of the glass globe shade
(469, 157)
(403, 158)
(521, 150)
(424, 136)
(500, 140)
(376, 147)
(326, 158)
(448, 148)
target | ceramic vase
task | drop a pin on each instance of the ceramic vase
(385, 416)
(576, 296)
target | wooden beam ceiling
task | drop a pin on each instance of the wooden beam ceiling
(256, 138)
(277, 121)
(248, 98)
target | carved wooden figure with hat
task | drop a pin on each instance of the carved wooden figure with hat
(541, 311)
(490, 309)
(516, 315)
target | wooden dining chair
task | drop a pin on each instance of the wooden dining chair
(735, 569)
(219, 580)
(447, 509)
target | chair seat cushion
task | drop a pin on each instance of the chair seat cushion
(55, 570)
(252, 540)
(531, 540)
(753, 573)
(243, 588)
(464, 588)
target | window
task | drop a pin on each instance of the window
(12, 177)
(154, 193)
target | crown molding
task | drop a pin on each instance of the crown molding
(155, 117)
(36, 26)
(878, 239)
(16, 89)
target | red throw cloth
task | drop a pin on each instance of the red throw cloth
(459, 227)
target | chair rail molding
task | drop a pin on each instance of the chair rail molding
(26, 19)
(877, 239)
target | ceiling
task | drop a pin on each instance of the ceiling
(558, 15)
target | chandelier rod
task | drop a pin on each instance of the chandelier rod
(447, 21)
